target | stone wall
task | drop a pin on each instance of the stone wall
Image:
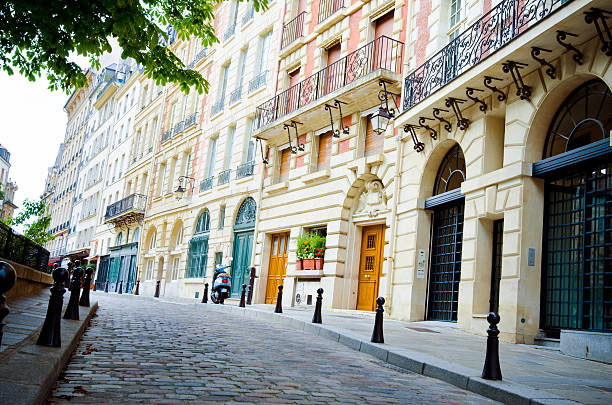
(29, 281)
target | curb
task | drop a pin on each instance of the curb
(28, 374)
(463, 377)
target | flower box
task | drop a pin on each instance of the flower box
(308, 264)
(318, 263)
(298, 264)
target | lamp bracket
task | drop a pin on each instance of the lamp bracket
(300, 146)
(501, 96)
(344, 129)
(264, 159)
(335, 132)
(452, 102)
(512, 67)
(383, 97)
(447, 124)
(418, 145)
(551, 71)
(432, 132)
(469, 93)
(598, 17)
(562, 36)
(191, 181)
(292, 148)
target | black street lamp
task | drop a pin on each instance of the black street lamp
(180, 190)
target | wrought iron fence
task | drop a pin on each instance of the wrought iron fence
(248, 15)
(500, 25)
(133, 202)
(217, 107)
(258, 81)
(207, 183)
(224, 177)
(329, 7)
(236, 95)
(245, 170)
(22, 250)
(293, 30)
(382, 53)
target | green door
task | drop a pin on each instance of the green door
(243, 247)
(113, 274)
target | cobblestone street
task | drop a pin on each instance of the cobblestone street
(142, 351)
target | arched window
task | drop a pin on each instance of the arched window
(451, 172)
(136, 235)
(203, 224)
(197, 257)
(119, 238)
(585, 117)
(153, 240)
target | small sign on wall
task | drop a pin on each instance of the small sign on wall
(421, 261)
(531, 257)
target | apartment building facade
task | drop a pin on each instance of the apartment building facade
(7, 186)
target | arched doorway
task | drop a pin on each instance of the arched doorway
(243, 245)
(447, 204)
(577, 237)
(197, 256)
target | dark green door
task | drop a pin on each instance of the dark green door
(113, 274)
(243, 247)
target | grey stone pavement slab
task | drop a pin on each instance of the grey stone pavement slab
(439, 349)
(146, 351)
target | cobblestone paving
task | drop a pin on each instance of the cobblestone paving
(139, 351)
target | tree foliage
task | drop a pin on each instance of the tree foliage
(38, 37)
(35, 220)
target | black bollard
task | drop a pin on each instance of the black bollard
(121, 287)
(106, 287)
(242, 296)
(251, 284)
(157, 289)
(84, 301)
(491, 370)
(316, 318)
(205, 296)
(279, 301)
(50, 335)
(8, 276)
(137, 292)
(72, 309)
(377, 335)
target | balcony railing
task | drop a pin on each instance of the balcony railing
(248, 15)
(166, 135)
(329, 7)
(503, 23)
(224, 177)
(245, 170)
(382, 53)
(236, 95)
(293, 30)
(190, 120)
(258, 81)
(229, 32)
(180, 127)
(133, 202)
(217, 107)
(200, 55)
(207, 183)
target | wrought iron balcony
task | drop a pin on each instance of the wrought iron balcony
(382, 53)
(248, 15)
(229, 32)
(258, 81)
(236, 95)
(200, 55)
(128, 210)
(293, 30)
(190, 120)
(329, 7)
(502, 24)
(166, 135)
(245, 170)
(207, 183)
(224, 177)
(217, 107)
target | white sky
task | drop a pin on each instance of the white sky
(33, 126)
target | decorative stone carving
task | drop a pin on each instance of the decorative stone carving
(372, 199)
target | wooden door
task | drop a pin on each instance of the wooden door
(370, 264)
(383, 51)
(278, 266)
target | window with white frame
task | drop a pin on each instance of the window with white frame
(175, 268)
(454, 9)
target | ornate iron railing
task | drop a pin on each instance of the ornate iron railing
(503, 23)
(382, 53)
(293, 30)
(133, 202)
(329, 7)
(200, 55)
(166, 135)
(248, 15)
(245, 170)
(207, 183)
(224, 177)
(190, 120)
(236, 95)
(217, 107)
(22, 250)
(258, 81)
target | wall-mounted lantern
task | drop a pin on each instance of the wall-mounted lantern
(380, 120)
(180, 190)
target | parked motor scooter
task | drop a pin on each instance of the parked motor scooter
(221, 285)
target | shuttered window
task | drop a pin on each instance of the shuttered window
(373, 141)
(284, 164)
(325, 143)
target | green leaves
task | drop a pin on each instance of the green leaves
(38, 37)
(37, 229)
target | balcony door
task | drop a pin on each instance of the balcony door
(383, 27)
(334, 71)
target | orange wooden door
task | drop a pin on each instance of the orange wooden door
(278, 266)
(370, 265)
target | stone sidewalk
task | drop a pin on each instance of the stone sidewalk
(531, 374)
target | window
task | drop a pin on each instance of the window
(222, 217)
(212, 151)
(162, 179)
(149, 270)
(223, 84)
(175, 268)
(179, 237)
(197, 256)
(243, 58)
(454, 18)
(284, 167)
(249, 155)
(136, 235)
(229, 147)
(173, 112)
(153, 240)
(325, 145)
(264, 53)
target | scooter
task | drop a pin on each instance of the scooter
(221, 285)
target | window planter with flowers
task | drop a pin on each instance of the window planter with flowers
(310, 252)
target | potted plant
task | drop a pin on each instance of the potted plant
(301, 251)
(319, 251)
(308, 253)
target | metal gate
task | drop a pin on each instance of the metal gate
(445, 269)
(577, 265)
